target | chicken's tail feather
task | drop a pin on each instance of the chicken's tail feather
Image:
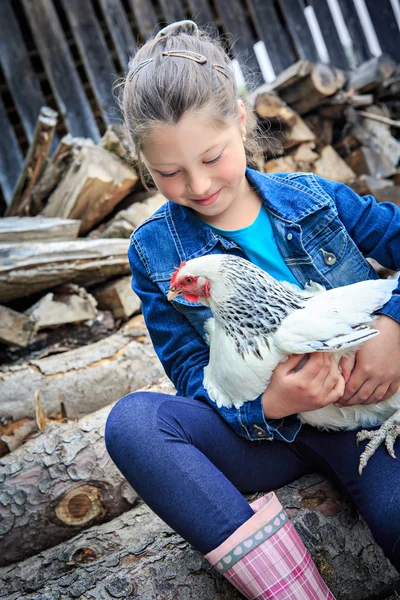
(358, 336)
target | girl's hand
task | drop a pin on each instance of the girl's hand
(317, 384)
(373, 374)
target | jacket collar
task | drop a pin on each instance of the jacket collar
(281, 195)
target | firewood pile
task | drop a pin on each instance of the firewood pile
(72, 342)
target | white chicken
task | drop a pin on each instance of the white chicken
(259, 322)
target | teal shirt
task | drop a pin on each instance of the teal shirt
(258, 243)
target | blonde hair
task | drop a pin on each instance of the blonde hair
(161, 88)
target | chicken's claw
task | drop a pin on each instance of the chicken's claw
(387, 432)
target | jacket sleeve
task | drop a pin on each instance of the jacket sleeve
(184, 354)
(375, 228)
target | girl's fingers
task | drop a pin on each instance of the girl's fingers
(347, 364)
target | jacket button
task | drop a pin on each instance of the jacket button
(289, 236)
(259, 431)
(329, 258)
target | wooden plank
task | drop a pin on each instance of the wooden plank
(241, 38)
(360, 45)
(119, 28)
(146, 18)
(17, 67)
(202, 14)
(172, 10)
(11, 160)
(296, 21)
(60, 69)
(330, 34)
(93, 49)
(385, 25)
(271, 32)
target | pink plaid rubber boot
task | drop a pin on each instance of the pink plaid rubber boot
(265, 557)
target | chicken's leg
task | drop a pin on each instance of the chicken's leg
(387, 432)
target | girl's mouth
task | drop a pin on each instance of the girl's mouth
(207, 201)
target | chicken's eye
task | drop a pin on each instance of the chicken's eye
(188, 280)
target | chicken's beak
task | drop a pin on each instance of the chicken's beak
(173, 293)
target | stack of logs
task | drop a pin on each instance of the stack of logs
(73, 342)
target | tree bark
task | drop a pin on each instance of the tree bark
(29, 229)
(136, 555)
(28, 268)
(85, 379)
(58, 483)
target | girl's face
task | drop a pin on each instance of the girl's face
(198, 165)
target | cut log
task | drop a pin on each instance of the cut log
(322, 128)
(313, 89)
(137, 555)
(28, 268)
(34, 162)
(365, 184)
(331, 166)
(16, 328)
(54, 170)
(93, 185)
(287, 126)
(367, 161)
(371, 74)
(85, 379)
(125, 221)
(34, 229)
(305, 153)
(284, 164)
(118, 297)
(60, 482)
(53, 310)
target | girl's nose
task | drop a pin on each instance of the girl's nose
(199, 186)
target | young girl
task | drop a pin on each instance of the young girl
(190, 461)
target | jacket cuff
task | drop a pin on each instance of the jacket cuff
(252, 420)
(391, 308)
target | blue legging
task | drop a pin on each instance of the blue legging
(189, 466)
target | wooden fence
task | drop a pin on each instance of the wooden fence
(67, 54)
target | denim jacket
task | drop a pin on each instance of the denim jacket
(323, 230)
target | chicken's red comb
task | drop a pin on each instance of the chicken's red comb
(175, 273)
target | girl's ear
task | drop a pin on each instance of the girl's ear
(242, 116)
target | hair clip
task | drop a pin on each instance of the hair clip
(140, 66)
(199, 58)
(223, 70)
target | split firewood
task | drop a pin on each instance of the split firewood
(118, 297)
(137, 555)
(309, 87)
(72, 306)
(33, 229)
(84, 379)
(389, 194)
(34, 162)
(365, 184)
(331, 166)
(16, 328)
(52, 174)
(322, 129)
(115, 140)
(368, 161)
(21, 430)
(125, 221)
(93, 185)
(305, 153)
(284, 164)
(28, 268)
(371, 74)
(286, 125)
(58, 483)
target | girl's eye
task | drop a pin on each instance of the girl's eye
(167, 175)
(214, 160)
